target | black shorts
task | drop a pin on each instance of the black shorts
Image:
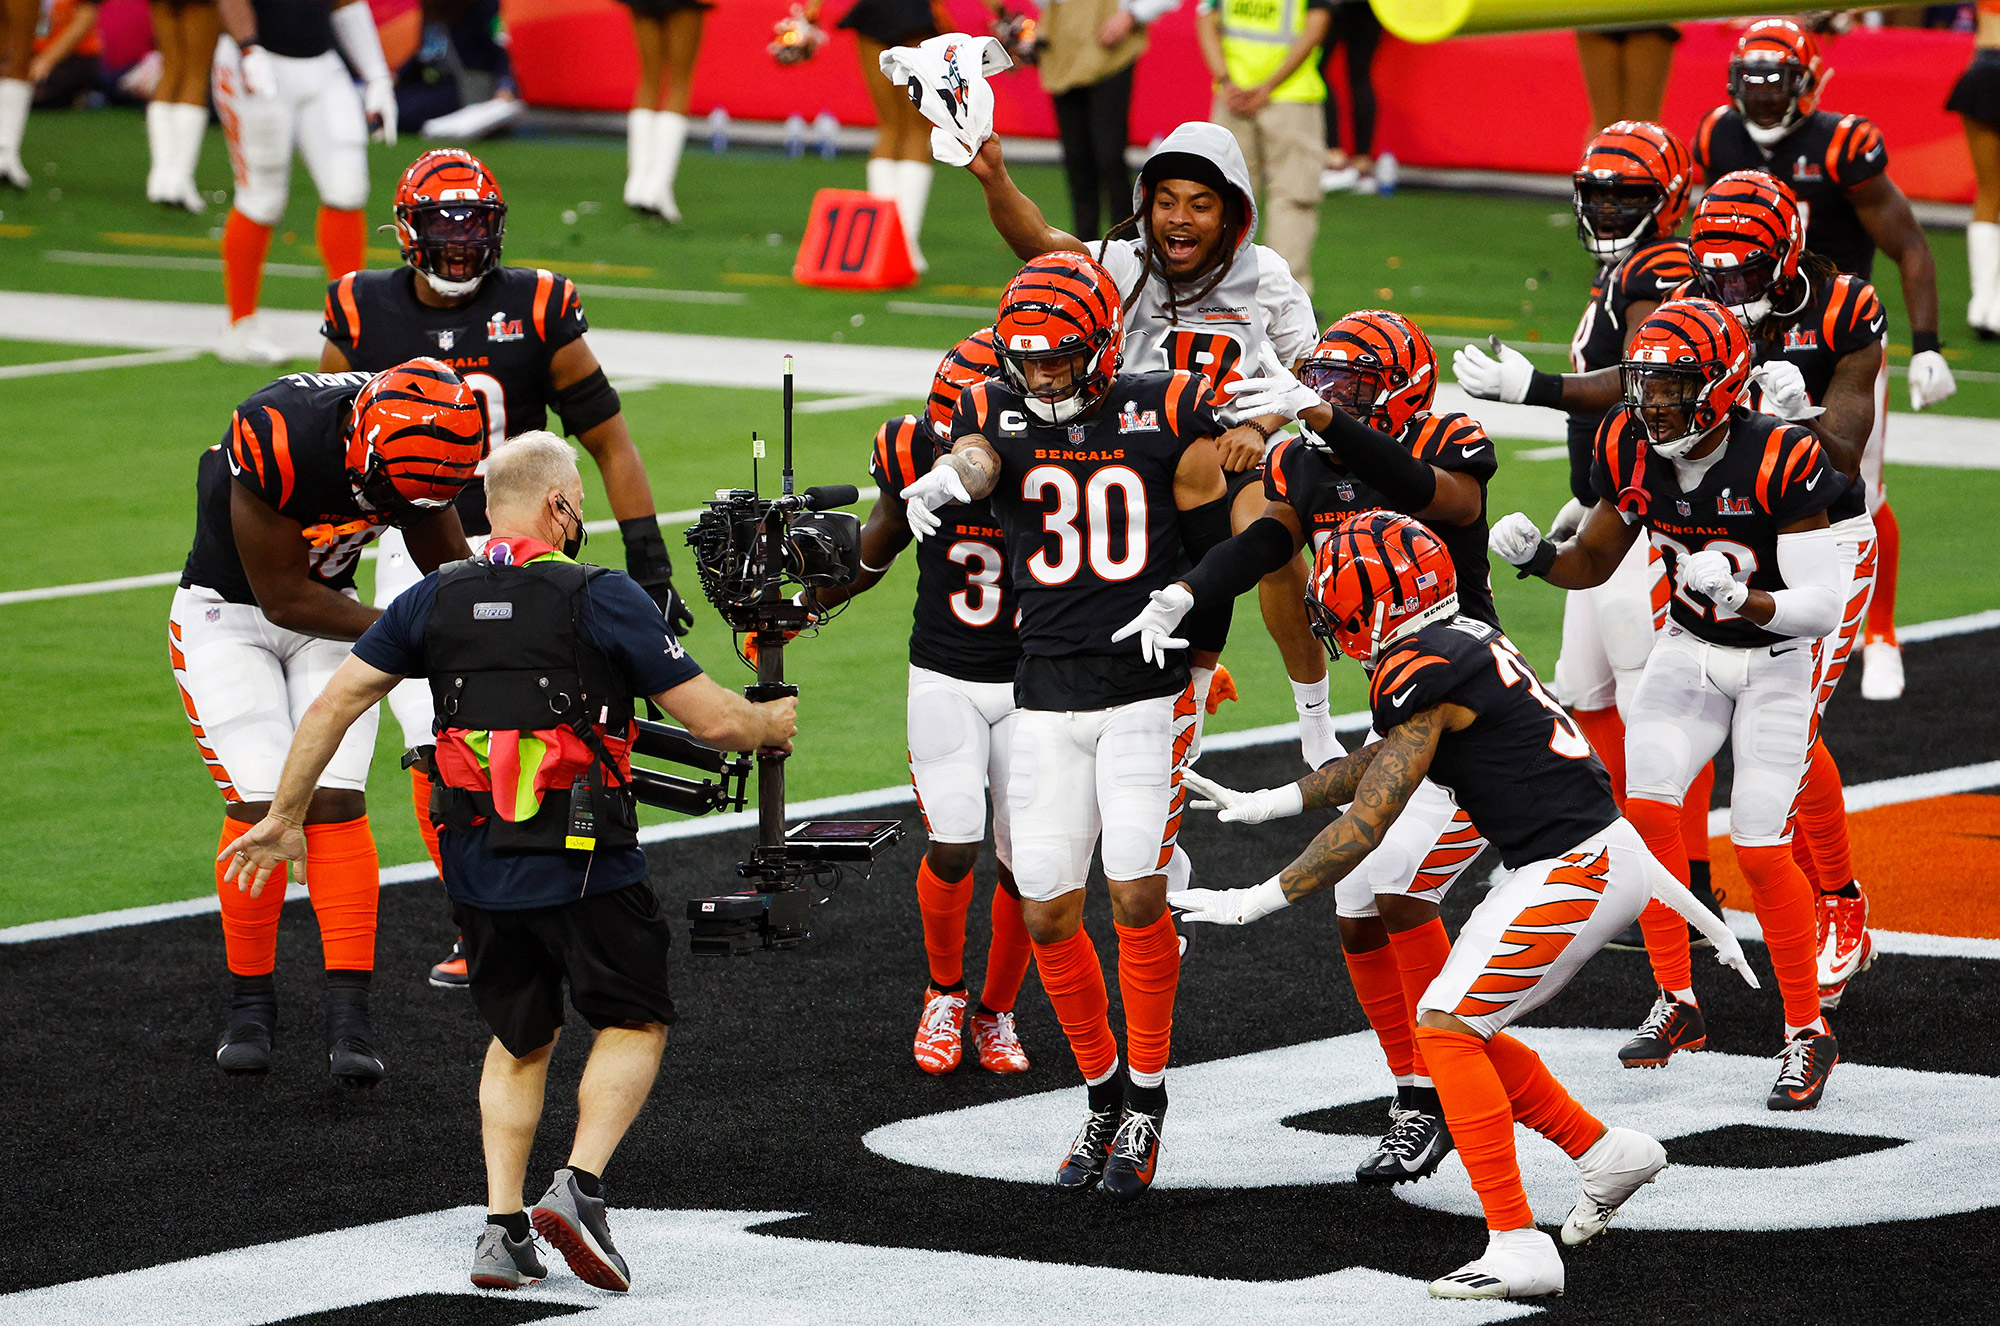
(662, 8)
(1977, 92)
(612, 949)
(891, 22)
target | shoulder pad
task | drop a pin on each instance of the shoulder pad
(904, 450)
(1423, 671)
(1855, 151)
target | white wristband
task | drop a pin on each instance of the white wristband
(1287, 801)
(1268, 897)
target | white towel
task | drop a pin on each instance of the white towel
(946, 78)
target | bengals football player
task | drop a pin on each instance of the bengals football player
(310, 470)
(1458, 706)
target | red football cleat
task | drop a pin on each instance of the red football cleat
(941, 1031)
(999, 1048)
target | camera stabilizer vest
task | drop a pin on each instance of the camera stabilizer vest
(528, 711)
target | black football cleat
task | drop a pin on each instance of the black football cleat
(245, 1047)
(350, 1035)
(1083, 1168)
(1415, 1145)
(1135, 1150)
(1671, 1026)
(1803, 1068)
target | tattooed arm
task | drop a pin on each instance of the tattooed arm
(1333, 784)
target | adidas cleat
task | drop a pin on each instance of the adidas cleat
(1415, 1145)
(1135, 1153)
(574, 1225)
(1803, 1068)
(1617, 1165)
(1517, 1263)
(498, 1262)
(1671, 1026)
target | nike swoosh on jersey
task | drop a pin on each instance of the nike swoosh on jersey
(1472, 451)
(1400, 700)
(1814, 481)
(230, 456)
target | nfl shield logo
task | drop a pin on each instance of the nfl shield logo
(1345, 490)
(213, 614)
(1077, 432)
(445, 339)
(1684, 508)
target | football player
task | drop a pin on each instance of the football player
(1107, 484)
(280, 84)
(963, 652)
(1739, 503)
(311, 469)
(1837, 166)
(1458, 705)
(516, 334)
(1369, 441)
(1198, 294)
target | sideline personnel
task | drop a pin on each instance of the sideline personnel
(548, 883)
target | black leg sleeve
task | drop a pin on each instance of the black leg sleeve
(1381, 462)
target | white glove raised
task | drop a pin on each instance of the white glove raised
(940, 487)
(1271, 803)
(1568, 520)
(260, 75)
(1229, 906)
(1784, 389)
(378, 99)
(1930, 379)
(1490, 379)
(1156, 622)
(1276, 392)
(1514, 538)
(1710, 572)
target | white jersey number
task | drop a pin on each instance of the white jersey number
(1744, 559)
(494, 395)
(979, 602)
(1093, 503)
(1566, 740)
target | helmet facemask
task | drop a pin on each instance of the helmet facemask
(1060, 382)
(1760, 86)
(1744, 288)
(1357, 389)
(453, 244)
(1614, 215)
(1671, 403)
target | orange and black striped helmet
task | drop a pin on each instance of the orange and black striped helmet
(450, 218)
(1747, 239)
(1380, 577)
(973, 359)
(416, 437)
(1775, 58)
(1684, 372)
(1061, 306)
(1375, 365)
(1633, 185)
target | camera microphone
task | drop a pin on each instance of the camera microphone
(829, 496)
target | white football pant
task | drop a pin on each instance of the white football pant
(317, 110)
(961, 736)
(1422, 855)
(1607, 631)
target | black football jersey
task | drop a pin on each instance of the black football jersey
(1771, 474)
(964, 621)
(288, 445)
(1322, 492)
(1092, 529)
(297, 28)
(1522, 770)
(1648, 275)
(1823, 157)
(500, 343)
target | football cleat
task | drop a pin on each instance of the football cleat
(1517, 1263)
(1617, 1165)
(1415, 1145)
(1845, 949)
(498, 1262)
(1135, 1154)
(999, 1048)
(1803, 1068)
(574, 1225)
(941, 1031)
(1881, 671)
(245, 1047)
(453, 973)
(246, 342)
(350, 1035)
(1084, 1166)
(1672, 1025)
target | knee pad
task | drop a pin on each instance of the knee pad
(1657, 756)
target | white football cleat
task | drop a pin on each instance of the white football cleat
(1617, 1165)
(247, 343)
(1881, 671)
(1517, 1263)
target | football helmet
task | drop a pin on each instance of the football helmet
(1747, 239)
(1633, 185)
(1379, 578)
(416, 436)
(1776, 65)
(1059, 313)
(1375, 365)
(973, 359)
(1684, 372)
(450, 220)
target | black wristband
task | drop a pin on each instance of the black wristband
(1544, 389)
(1539, 564)
(1922, 341)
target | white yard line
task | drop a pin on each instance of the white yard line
(91, 364)
(178, 263)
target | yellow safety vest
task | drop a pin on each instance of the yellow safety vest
(1255, 36)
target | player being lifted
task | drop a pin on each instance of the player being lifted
(311, 469)
(1738, 503)
(1457, 704)
(963, 652)
(1369, 441)
(516, 334)
(1107, 484)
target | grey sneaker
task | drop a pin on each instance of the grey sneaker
(574, 1225)
(498, 1262)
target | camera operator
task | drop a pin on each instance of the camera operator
(533, 661)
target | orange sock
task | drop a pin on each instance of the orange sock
(343, 240)
(1007, 956)
(943, 904)
(244, 244)
(1481, 1118)
(1791, 932)
(1379, 987)
(249, 925)
(1420, 956)
(1822, 815)
(1605, 731)
(1539, 1100)
(1888, 552)
(1074, 982)
(1666, 933)
(1694, 813)
(420, 796)
(344, 877)
(1149, 973)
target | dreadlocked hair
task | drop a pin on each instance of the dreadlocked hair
(1137, 226)
(1815, 271)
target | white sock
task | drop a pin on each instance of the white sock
(189, 122)
(1310, 696)
(1105, 1076)
(913, 198)
(1982, 251)
(15, 96)
(882, 177)
(639, 157)
(1419, 1080)
(1817, 1027)
(1139, 1079)
(670, 135)
(1684, 997)
(159, 146)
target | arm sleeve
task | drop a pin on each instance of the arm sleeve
(395, 643)
(1856, 152)
(1234, 566)
(1203, 529)
(626, 625)
(1288, 310)
(1381, 462)
(1817, 572)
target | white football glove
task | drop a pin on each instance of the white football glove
(1272, 803)
(940, 487)
(1155, 624)
(1784, 389)
(1276, 392)
(1229, 906)
(1930, 379)
(260, 75)
(1490, 379)
(1568, 520)
(378, 99)
(1514, 538)
(1710, 572)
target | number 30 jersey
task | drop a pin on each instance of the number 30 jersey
(963, 624)
(1521, 770)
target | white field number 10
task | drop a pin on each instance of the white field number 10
(1094, 538)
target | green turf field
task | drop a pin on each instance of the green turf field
(108, 803)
